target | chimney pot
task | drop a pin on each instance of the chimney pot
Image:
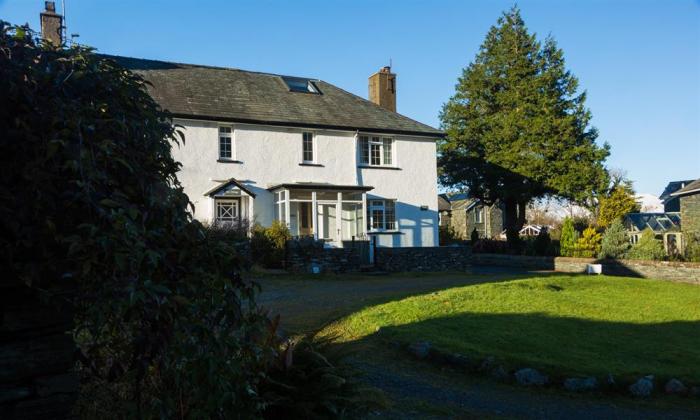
(51, 24)
(382, 88)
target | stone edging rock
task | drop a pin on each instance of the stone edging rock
(525, 376)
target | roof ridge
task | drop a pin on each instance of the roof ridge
(208, 66)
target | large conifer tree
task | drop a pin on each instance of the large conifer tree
(517, 127)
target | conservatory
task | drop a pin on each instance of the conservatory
(333, 213)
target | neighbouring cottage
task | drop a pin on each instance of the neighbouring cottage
(689, 206)
(466, 214)
(329, 164)
(680, 219)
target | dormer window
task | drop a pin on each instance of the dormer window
(299, 84)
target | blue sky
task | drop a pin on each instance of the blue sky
(638, 60)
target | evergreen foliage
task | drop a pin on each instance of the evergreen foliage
(588, 245)
(517, 126)
(614, 206)
(568, 239)
(543, 242)
(615, 243)
(647, 248)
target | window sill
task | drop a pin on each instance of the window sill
(228, 161)
(379, 167)
(311, 164)
(385, 232)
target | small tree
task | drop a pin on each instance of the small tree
(588, 245)
(474, 236)
(617, 204)
(542, 242)
(569, 237)
(648, 247)
(615, 243)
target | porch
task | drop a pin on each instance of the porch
(328, 212)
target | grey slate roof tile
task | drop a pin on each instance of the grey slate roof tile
(215, 93)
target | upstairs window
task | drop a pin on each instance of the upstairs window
(307, 147)
(381, 215)
(225, 143)
(299, 84)
(376, 151)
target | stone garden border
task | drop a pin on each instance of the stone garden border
(643, 387)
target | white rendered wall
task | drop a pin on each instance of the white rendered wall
(271, 155)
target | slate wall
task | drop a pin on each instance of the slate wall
(441, 258)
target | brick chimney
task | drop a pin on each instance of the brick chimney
(51, 24)
(382, 88)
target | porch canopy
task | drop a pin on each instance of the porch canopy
(331, 212)
(232, 202)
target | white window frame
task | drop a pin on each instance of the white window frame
(229, 136)
(383, 144)
(381, 205)
(236, 210)
(313, 146)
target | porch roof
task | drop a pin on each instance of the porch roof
(319, 186)
(228, 182)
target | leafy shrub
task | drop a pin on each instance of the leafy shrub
(543, 243)
(311, 380)
(268, 244)
(447, 235)
(692, 248)
(164, 324)
(648, 247)
(569, 238)
(615, 243)
(588, 245)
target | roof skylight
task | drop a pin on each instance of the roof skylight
(298, 84)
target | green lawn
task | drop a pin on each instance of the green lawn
(562, 324)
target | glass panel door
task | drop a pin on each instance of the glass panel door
(326, 222)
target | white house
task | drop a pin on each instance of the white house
(328, 163)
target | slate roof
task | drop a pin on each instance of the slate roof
(443, 203)
(690, 188)
(233, 95)
(672, 187)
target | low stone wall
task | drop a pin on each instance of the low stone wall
(683, 272)
(443, 258)
(305, 256)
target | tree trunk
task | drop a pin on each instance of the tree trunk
(514, 220)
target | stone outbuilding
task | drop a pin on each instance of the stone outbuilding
(466, 214)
